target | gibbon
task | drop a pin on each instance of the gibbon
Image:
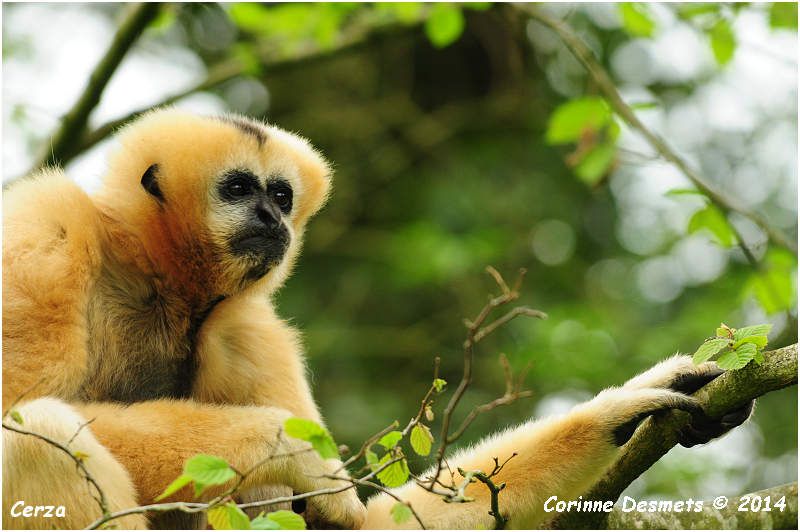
(138, 326)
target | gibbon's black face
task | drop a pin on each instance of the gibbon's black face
(261, 236)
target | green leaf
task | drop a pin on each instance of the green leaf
(325, 446)
(772, 289)
(439, 384)
(572, 119)
(686, 11)
(759, 341)
(738, 358)
(401, 513)
(394, 475)
(208, 470)
(636, 19)
(176, 484)
(783, 15)
(250, 16)
(421, 439)
(711, 219)
(312, 432)
(16, 416)
(444, 25)
(390, 439)
(405, 12)
(758, 358)
(709, 349)
(372, 459)
(279, 520)
(228, 517)
(723, 331)
(597, 163)
(723, 41)
(684, 192)
(753, 330)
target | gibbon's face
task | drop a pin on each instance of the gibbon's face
(218, 201)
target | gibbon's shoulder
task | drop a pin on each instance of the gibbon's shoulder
(48, 211)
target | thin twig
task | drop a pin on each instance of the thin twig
(102, 502)
(603, 81)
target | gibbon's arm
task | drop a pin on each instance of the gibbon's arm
(50, 256)
(153, 440)
(562, 456)
(248, 356)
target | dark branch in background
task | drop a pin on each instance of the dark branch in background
(729, 518)
(65, 141)
(658, 435)
(614, 99)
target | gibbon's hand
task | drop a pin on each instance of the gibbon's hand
(343, 510)
(681, 374)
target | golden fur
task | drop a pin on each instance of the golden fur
(106, 298)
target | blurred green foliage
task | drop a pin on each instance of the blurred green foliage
(459, 140)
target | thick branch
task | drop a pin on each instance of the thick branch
(658, 435)
(582, 52)
(729, 518)
(65, 142)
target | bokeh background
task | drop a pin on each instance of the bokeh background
(439, 119)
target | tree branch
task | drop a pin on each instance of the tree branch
(614, 99)
(709, 518)
(658, 434)
(65, 141)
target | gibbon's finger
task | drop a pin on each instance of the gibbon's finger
(677, 373)
(702, 431)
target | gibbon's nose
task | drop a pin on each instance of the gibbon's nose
(268, 213)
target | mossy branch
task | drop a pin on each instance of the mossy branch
(659, 434)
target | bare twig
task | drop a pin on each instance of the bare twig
(102, 502)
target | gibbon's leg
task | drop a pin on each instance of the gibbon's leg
(249, 356)
(154, 439)
(562, 457)
(41, 475)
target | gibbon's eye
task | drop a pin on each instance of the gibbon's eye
(281, 193)
(238, 184)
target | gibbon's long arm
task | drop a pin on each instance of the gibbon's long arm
(153, 440)
(562, 456)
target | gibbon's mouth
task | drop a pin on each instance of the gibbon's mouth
(264, 248)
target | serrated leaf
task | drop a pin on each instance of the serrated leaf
(723, 41)
(280, 520)
(439, 384)
(176, 484)
(737, 359)
(758, 358)
(752, 330)
(372, 459)
(724, 331)
(401, 513)
(759, 341)
(597, 163)
(421, 439)
(16, 416)
(199, 488)
(228, 517)
(709, 349)
(711, 219)
(312, 432)
(390, 439)
(783, 15)
(445, 24)
(636, 19)
(302, 429)
(394, 475)
(325, 446)
(572, 119)
(683, 192)
(208, 470)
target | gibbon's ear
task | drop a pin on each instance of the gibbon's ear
(150, 183)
